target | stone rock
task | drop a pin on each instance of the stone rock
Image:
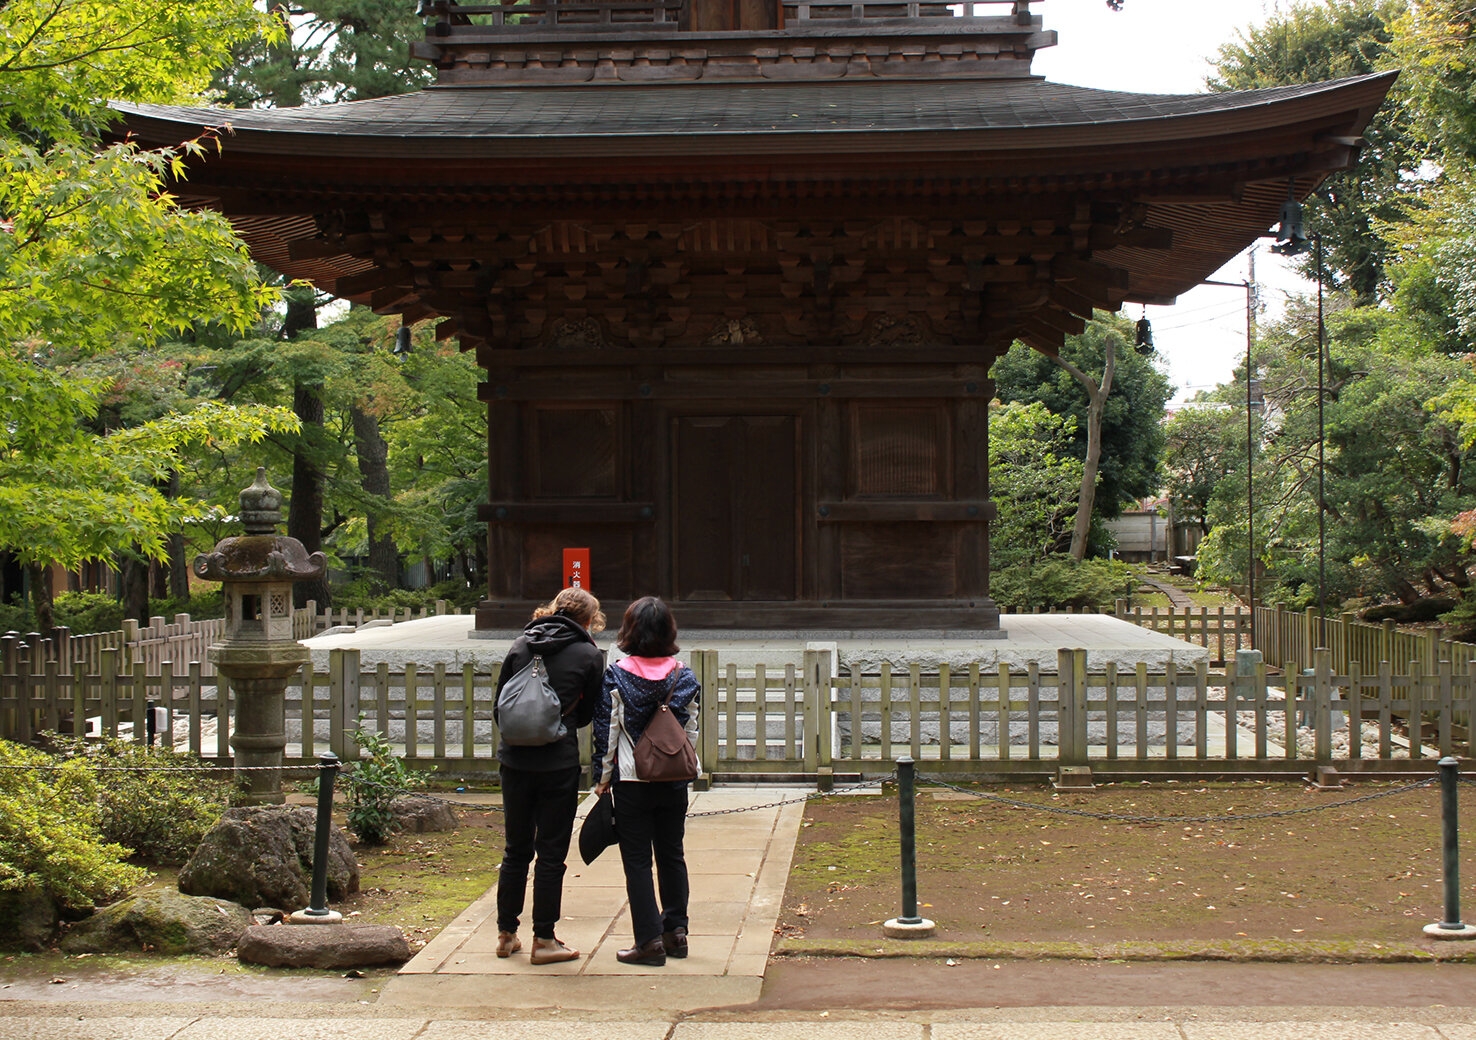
(323, 945)
(419, 814)
(28, 919)
(161, 922)
(263, 856)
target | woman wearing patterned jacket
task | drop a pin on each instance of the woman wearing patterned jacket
(650, 818)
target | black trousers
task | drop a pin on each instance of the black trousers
(538, 811)
(651, 820)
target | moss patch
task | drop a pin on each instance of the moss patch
(421, 882)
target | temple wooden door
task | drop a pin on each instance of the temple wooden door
(735, 490)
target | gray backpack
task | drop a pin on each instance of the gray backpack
(528, 709)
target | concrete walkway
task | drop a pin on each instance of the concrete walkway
(738, 862)
(336, 1022)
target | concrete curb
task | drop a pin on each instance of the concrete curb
(1239, 952)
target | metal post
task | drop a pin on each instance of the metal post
(317, 911)
(909, 925)
(906, 798)
(1451, 927)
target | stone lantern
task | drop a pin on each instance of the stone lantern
(258, 654)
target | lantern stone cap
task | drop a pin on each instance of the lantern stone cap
(261, 505)
(261, 554)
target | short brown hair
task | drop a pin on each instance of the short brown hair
(648, 629)
(578, 605)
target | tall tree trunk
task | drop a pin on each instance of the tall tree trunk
(42, 596)
(179, 568)
(158, 579)
(1096, 404)
(133, 576)
(305, 511)
(373, 454)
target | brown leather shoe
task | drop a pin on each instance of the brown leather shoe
(551, 951)
(508, 944)
(675, 942)
(651, 953)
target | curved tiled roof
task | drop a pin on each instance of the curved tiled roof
(808, 116)
(1200, 176)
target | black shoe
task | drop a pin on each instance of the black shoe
(675, 942)
(651, 953)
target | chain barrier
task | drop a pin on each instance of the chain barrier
(306, 772)
(1277, 814)
(807, 797)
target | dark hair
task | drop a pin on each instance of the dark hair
(648, 629)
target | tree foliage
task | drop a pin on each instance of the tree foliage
(1202, 446)
(1396, 466)
(68, 495)
(96, 256)
(1131, 434)
(349, 50)
(1034, 480)
(1311, 43)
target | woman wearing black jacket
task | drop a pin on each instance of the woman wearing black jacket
(540, 785)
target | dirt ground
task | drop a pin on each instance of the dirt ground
(1367, 873)
(988, 874)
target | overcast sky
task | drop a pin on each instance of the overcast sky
(1163, 47)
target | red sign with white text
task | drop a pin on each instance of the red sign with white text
(576, 569)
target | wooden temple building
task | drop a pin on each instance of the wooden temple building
(737, 270)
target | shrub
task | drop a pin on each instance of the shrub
(373, 784)
(16, 617)
(50, 839)
(85, 612)
(362, 594)
(204, 604)
(151, 805)
(1060, 582)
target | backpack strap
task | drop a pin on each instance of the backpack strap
(544, 668)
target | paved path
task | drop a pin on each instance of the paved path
(738, 862)
(1177, 597)
(1133, 1023)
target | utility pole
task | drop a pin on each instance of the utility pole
(1252, 302)
(1250, 440)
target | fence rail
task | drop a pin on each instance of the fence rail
(812, 718)
(183, 638)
